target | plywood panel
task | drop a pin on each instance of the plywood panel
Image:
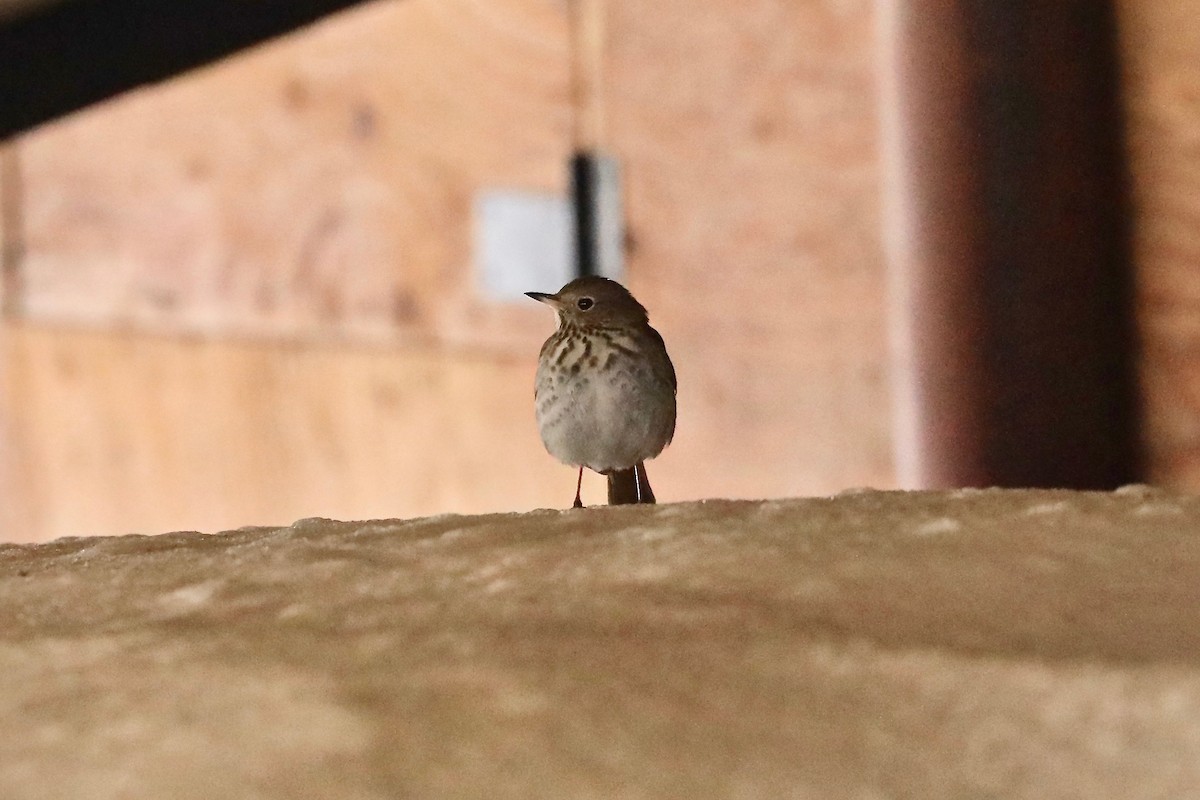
(321, 186)
(109, 433)
(112, 433)
(1161, 53)
(748, 133)
(320, 190)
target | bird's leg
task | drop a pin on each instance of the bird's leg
(578, 486)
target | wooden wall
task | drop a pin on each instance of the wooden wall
(115, 432)
(247, 296)
(748, 130)
(1161, 46)
(321, 186)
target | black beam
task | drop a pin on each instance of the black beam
(1059, 345)
(65, 56)
(583, 196)
(1014, 281)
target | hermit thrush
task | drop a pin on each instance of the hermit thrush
(605, 390)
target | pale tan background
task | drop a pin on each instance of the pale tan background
(248, 296)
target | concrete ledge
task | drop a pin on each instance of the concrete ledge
(934, 645)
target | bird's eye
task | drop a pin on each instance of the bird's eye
(585, 303)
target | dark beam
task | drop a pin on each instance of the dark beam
(1014, 287)
(61, 57)
(1057, 274)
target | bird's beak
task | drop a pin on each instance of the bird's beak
(542, 297)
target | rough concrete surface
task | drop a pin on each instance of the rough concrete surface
(974, 644)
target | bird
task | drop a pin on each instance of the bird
(604, 394)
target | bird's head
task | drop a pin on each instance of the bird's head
(594, 302)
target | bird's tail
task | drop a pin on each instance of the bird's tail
(631, 485)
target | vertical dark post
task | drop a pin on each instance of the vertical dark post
(1012, 281)
(599, 215)
(583, 201)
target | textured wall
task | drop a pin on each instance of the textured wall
(274, 255)
(749, 133)
(1161, 42)
(321, 186)
(112, 432)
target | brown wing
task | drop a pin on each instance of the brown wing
(663, 346)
